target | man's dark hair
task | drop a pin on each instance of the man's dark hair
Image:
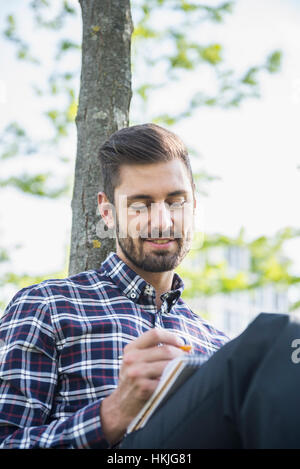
(139, 144)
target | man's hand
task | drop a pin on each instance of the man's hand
(144, 360)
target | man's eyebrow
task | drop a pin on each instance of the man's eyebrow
(138, 196)
(146, 196)
(178, 192)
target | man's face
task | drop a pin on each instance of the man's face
(154, 215)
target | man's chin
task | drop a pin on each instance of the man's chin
(149, 258)
(160, 262)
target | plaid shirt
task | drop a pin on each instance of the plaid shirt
(60, 347)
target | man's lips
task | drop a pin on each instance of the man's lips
(160, 242)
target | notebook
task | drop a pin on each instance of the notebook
(175, 373)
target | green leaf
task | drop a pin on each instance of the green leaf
(53, 114)
(4, 257)
(212, 54)
(66, 45)
(181, 60)
(188, 7)
(68, 8)
(143, 90)
(34, 185)
(249, 78)
(274, 62)
(294, 306)
(143, 32)
(165, 119)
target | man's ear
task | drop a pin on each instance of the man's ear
(194, 196)
(106, 210)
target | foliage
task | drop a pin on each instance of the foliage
(267, 264)
(181, 54)
(184, 55)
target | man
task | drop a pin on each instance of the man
(80, 356)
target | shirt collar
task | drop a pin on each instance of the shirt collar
(133, 285)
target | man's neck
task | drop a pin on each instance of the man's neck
(161, 281)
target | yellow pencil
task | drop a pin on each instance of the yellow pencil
(186, 348)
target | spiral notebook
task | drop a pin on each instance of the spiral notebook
(175, 373)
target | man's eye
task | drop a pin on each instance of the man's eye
(178, 204)
(137, 207)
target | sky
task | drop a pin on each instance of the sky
(254, 150)
(257, 150)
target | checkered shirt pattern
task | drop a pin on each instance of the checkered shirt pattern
(61, 343)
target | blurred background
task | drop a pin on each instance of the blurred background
(224, 76)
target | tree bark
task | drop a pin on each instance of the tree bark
(104, 100)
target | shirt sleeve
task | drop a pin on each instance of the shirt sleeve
(28, 380)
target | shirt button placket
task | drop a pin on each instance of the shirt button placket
(158, 320)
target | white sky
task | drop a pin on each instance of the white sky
(254, 149)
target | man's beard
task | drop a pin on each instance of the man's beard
(156, 261)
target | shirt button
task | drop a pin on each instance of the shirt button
(132, 294)
(148, 289)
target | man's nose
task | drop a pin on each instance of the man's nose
(160, 220)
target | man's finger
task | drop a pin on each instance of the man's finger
(150, 371)
(156, 337)
(151, 354)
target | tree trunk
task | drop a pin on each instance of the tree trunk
(104, 100)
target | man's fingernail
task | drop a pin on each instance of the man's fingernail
(180, 342)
